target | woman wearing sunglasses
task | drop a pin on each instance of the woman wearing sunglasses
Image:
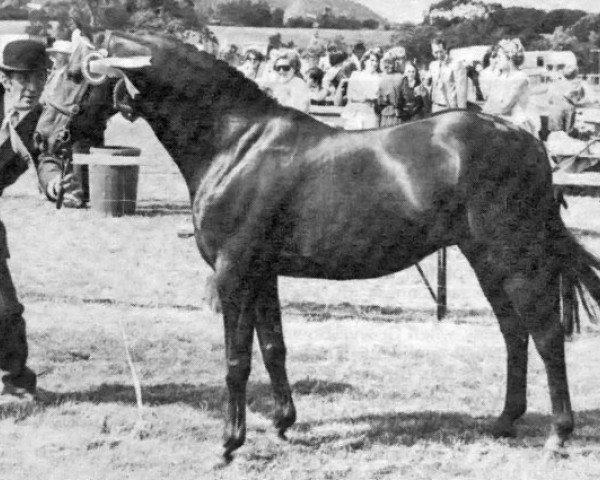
(288, 87)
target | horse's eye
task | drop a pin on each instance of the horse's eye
(75, 76)
(64, 136)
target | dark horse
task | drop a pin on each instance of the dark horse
(275, 192)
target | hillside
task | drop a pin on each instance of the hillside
(311, 8)
(292, 8)
(308, 8)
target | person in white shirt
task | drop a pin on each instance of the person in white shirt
(449, 79)
(363, 95)
(509, 94)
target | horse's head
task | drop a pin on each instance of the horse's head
(97, 82)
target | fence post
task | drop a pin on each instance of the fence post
(442, 304)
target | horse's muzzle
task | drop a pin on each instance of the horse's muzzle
(39, 142)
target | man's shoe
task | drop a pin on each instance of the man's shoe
(19, 404)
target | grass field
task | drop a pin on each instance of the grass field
(383, 390)
(300, 36)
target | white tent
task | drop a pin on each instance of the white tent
(550, 60)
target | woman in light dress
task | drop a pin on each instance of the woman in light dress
(288, 88)
(363, 94)
(509, 91)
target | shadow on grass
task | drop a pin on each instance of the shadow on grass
(446, 428)
(162, 209)
(389, 428)
(210, 398)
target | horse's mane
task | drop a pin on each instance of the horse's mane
(195, 74)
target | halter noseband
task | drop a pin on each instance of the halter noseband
(69, 111)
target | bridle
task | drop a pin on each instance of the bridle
(123, 90)
(63, 136)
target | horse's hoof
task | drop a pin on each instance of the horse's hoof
(284, 419)
(234, 439)
(553, 455)
(223, 462)
(563, 426)
(503, 428)
(554, 448)
(232, 443)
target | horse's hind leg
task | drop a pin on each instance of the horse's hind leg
(516, 339)
(536, 298)
(532, 291)
(272, 346)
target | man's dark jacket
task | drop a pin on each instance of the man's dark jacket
(12, 166)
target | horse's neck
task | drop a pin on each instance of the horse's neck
(194, 138)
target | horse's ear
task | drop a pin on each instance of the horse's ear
(122, 101)
(81, 51)
(100, 38)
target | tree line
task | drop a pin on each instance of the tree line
(460, 22)
(184, 14)
(469, 22)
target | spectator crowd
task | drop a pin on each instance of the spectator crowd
(378, 88)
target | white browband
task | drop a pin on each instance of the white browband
(98, 68)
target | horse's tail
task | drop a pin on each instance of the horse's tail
(579, 282)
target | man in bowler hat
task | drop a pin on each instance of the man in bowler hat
(23, 68)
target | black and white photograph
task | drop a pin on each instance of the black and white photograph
(299, 239)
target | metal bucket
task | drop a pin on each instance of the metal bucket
(113, 174)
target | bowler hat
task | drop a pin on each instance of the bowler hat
(24, 56)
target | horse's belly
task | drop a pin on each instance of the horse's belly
(355, 257)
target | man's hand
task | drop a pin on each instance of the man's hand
(71, 187)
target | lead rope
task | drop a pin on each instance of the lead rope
(140, 429)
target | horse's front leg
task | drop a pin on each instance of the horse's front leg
(238, 307)
(270, 338)
(516, 339)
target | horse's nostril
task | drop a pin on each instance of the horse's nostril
(38, 139)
